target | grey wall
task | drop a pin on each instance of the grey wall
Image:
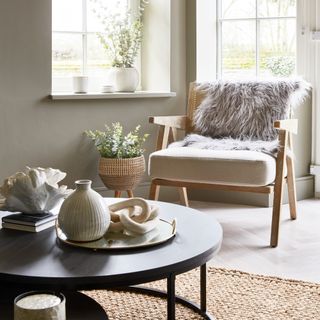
(37, 131)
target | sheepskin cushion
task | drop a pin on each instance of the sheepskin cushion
(247, 109)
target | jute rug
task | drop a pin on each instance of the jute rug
(231, 295)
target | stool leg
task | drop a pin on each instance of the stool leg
(130, 193)
(117, 194)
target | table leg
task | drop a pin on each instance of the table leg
(203, 288)
(171, 297)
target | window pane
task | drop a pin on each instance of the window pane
(238, 8)
(66, 15)
(238, 49)
(277, 8)
(66, 54)
(98, 61)
(96, 10)
(277, 47)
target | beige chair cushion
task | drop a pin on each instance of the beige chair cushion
(235, 167)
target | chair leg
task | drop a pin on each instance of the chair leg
(291, 184)
(154, 191)
(183, 196)
(277, 205)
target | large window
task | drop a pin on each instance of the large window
(256, 38)
(76, 49)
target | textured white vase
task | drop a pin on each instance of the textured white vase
(83, 215)
(125, 79)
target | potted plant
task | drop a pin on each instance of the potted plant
(121, 38)
(122, 163)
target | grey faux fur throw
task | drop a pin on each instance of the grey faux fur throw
(239, 115)
(203, 142)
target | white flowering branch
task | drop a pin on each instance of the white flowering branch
(122, 34)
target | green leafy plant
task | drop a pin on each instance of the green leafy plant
(282, 66)
(113, 143)
(122, 35)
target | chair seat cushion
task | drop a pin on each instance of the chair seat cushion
(233, 167)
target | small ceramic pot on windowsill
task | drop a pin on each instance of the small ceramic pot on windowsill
(125, 79)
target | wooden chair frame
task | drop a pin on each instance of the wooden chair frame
(168, 126)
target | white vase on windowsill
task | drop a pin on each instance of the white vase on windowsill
(125, 79)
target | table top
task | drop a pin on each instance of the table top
(40, 258)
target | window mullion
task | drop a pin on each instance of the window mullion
(219, 40)
(257, 42)
(84, 37)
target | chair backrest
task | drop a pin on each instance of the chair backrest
(195, 98)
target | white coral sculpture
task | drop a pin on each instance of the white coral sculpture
(34, 191)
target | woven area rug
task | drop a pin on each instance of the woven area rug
(231, 295)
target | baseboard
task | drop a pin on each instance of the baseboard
(305, 189)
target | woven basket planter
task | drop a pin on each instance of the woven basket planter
(121, 174)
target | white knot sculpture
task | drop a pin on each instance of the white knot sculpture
(34, 191)
(133, 216)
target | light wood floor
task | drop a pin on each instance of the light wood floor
(246, 238)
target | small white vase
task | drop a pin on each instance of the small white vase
(125, 79)
(83, 215)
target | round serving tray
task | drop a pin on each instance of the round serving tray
(110, 241)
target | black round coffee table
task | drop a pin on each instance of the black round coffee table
(36, 261)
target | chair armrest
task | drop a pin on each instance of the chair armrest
(168, 126)
(290, 125)
(178, 122)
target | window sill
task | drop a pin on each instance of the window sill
(113, 95)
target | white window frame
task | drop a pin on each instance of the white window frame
(66, 81)
(257, 20)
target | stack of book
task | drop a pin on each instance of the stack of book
(29, 222)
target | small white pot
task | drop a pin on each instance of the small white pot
(80, 84)
(125, 79)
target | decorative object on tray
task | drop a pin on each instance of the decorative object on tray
(122, 163)
(28, 222)
(133, 216)
(83, 215)
(134, 223)
(34, 191)
(121, 38)
(40, 305)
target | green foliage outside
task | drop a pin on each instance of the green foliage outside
(278, 65)
(281, 66)
(113, 143)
